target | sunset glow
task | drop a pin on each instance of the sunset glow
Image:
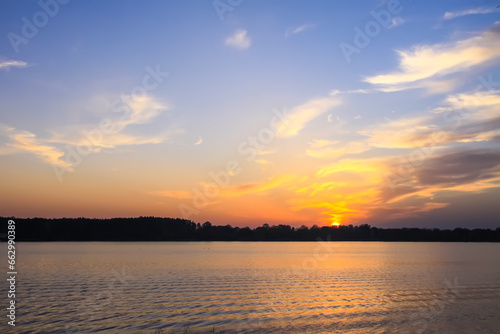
(253, 116)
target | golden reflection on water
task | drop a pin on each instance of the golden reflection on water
(264, 287)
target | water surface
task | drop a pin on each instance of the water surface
(258, 287)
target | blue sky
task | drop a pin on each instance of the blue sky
(223, 70)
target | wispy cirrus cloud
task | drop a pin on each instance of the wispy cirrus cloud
(396, 22)
(463, 118)
(351, 91)
(140, 110)
(471, 11)
(239, 40)
(296, 30)
(430, 66)
(327, 149)
(7, 64)
(20, 141)
(303, 114)
(260, 187)
(408, 132)
(480, 104)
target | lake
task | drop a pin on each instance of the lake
(257, 287)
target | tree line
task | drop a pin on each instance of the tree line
(175, 229)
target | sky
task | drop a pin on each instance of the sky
(249, 112)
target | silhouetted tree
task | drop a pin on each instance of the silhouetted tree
(175, 229)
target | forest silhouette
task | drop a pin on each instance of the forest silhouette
(175, 229)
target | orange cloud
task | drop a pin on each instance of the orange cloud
(24, 141)
(303, 114)
(326, 149)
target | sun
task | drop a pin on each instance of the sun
(336, 220)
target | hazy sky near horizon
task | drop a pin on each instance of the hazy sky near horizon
(252, 112)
